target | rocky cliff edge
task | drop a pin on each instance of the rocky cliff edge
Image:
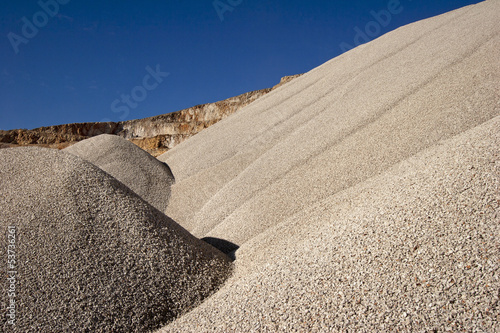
(155, 134)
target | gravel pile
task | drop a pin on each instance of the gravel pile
(91, 255)
(364, 195)
(338, 125)
(415, 249)
(141, 172)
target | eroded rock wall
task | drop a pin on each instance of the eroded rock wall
(155, 134)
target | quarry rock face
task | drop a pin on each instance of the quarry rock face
(156, 134)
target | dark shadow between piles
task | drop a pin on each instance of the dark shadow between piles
(222, 245)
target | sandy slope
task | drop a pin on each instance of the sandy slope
(364, 194)
(338, 125)
(416, 248)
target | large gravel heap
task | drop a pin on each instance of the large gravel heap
(364, 195)
(92, 256)
(415, 249)
(141, 172)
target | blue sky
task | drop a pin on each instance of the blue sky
(67, 61)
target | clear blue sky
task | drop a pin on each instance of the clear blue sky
(82, 59)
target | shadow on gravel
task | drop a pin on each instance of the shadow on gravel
(222, 245)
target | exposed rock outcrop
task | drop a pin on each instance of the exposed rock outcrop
(155, 134)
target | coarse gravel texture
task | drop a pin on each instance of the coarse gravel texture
(340, 124)
(415, 249)
(364, 195)
(134, 167)
(92, 256)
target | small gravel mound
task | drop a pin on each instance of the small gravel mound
(141, 172)
(91, 255)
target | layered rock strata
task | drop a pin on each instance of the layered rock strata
(156, 134)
